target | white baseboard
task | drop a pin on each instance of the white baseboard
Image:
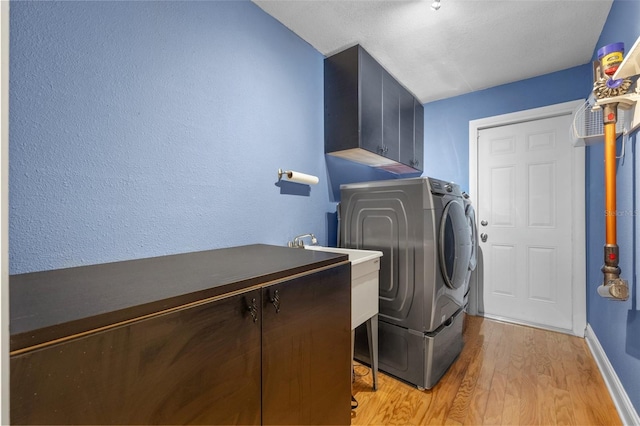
(627, 412)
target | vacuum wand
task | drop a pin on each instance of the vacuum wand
(613, 286)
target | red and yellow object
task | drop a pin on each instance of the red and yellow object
(610, 57)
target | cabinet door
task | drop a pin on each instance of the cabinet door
(391, 100)
(197, 365)
(418, 155)
(407, 142)
(370, 103)
(306, 357)
(341, 107)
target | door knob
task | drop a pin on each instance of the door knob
(484, 237)
(484, 223)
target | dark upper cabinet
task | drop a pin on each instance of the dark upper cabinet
(392, 94)
(368, 131)
(418, 135)
(369, 116)
(411, 138)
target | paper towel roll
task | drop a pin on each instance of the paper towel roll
(301, 177)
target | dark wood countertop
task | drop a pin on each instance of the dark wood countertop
(49, 305)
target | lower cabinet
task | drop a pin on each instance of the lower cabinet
(306, 341)
(197, 365)
(278, 354)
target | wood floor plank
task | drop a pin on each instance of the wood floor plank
(444, 393)
(528, 386)
(462, 400)
(543, 362)
(409, 404)
(485, 375)
(504, 346)
(383, 406)
(564, 408)
(545, 397)
(477, 406)
(496, 400)
(506, 374)
(556, 350)
(511, 410)
(585, 412)
(529, 401)
(516, 362)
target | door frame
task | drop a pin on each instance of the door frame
(578, 228)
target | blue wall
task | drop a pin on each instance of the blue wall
(616, 324)
(446, 122)
(141, 129)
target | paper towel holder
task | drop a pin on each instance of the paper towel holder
(297, 177)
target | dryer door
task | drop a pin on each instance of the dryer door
(471, 220)
(454, 245)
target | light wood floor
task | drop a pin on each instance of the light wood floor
(506, 374)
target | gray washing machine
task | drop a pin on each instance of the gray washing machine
(420, 226)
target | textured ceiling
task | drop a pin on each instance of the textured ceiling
(465, 46)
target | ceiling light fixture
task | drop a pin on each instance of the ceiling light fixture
(435, 5)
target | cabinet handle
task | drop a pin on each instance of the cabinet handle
(275, 300)
(253, 309)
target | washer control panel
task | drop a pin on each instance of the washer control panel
(444, 188)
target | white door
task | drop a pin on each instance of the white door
(525, 221)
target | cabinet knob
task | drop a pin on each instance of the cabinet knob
(253, 309)
(275, 300)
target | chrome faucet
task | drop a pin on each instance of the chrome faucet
(297, 241)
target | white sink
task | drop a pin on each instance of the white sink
(365, 267)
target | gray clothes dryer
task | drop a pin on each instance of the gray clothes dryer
(470, 213)
(420, 226)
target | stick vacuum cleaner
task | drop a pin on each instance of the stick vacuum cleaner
(604, 89)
